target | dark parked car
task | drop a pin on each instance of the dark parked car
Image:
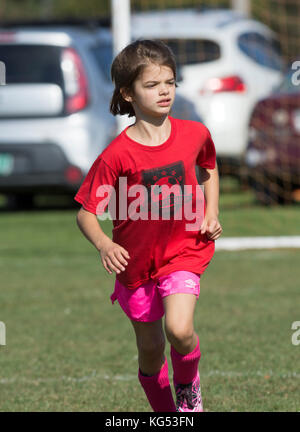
(273, 152)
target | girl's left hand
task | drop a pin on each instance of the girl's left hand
(211, 226)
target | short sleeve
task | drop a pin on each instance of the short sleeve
(96, 187)
(207, 154)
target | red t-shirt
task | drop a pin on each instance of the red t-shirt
(157, 246)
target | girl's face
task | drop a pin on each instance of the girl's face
(153, 91)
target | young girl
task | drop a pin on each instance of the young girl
(157, 257)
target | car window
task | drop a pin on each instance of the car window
(32, 64)
(187, 51)
(193, 51)
(264, 51)
(103, 56)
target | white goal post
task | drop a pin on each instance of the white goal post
(120, 10)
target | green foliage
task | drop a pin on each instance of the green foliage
(34, 9)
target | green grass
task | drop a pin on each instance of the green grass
(69, 349)
(241, 215)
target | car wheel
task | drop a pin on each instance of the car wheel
(20, 201)
(269, 191)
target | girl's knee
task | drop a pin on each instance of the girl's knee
(151, 348)
(150, 339)
(179, 334)
(151, 345)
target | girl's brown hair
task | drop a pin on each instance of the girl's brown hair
(128, 65)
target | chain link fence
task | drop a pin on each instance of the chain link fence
(242, 77)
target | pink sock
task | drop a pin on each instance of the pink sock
(185, 367)
(158, 390)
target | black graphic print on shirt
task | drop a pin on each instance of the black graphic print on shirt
(161, 200)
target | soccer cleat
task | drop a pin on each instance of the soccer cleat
(188, 396)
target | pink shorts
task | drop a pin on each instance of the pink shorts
(145, 302)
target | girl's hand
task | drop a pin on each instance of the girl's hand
(113, 257)
(211, 226)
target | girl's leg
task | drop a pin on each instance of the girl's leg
(179, 322)
(150, 342)
(153, 367)
(185, 350)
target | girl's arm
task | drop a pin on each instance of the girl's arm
(112, 255)
(211, 224)
(90, 227)
(210, 180)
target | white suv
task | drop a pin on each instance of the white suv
(54, 108)
(227, 63)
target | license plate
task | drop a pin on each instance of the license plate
(6, 164)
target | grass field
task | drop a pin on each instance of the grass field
(68, 349)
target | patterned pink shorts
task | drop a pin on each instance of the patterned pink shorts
(145, 302)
